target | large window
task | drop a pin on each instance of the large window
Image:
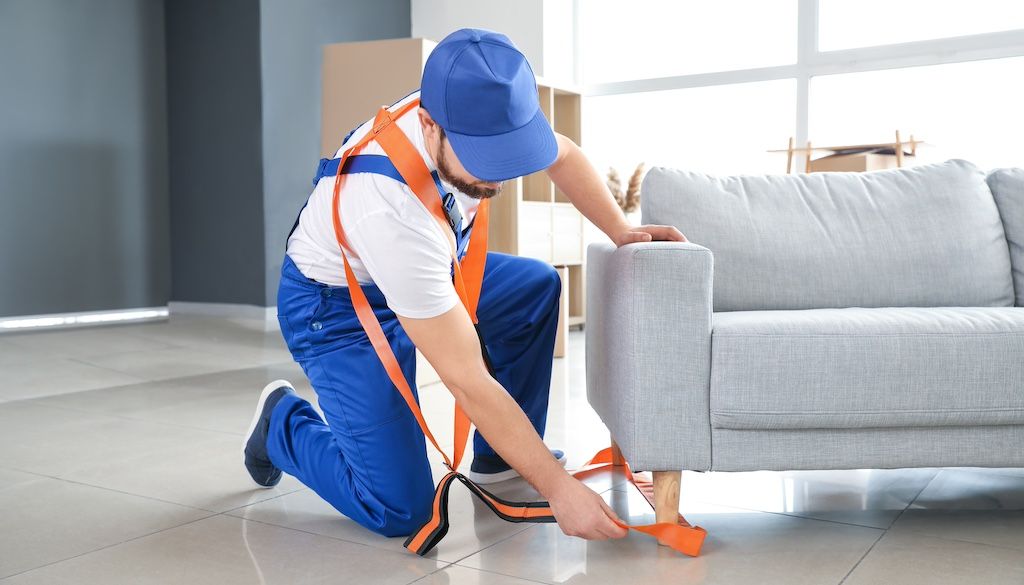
(862, 23)
(657, 38)
(962, 110)
(715, 129)
(712, 85)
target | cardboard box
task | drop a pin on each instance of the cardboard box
(359, 78)
(858, 162)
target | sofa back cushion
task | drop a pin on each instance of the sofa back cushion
(922, 236)
(1008, 190)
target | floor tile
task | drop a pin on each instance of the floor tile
(12, 354)
(864, 497)
(968, 505)
(163, 364)
(205, 474)
(1019, 471)
(116, 455)
(223, 550)
(969, 489)
(241, 340)
(905, 558)
(473, 525)
(223, 401)
(47, 520)
(86, 342)
(33, 376)
(743, 547)
(1004, 528)
(456, 575)
(192, 467)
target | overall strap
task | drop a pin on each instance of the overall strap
(381, 165)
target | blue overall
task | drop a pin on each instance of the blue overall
(368, 458)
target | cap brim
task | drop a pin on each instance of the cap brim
(499, 157)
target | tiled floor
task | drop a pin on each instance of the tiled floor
(119, 464)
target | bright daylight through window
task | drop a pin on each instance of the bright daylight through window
(689, 85)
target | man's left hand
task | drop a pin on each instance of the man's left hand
(649, 233)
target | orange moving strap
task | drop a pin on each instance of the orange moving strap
(468, 280)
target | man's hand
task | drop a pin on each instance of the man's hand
(574, 176)
(581, 512)
(649, 233)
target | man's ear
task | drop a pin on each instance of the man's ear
(429, 126)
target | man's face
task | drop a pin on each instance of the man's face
(452, 171)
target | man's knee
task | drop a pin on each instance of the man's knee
(544, 279)
(406, 517)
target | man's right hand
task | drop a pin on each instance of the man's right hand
(583, 513)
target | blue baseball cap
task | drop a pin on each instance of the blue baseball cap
(481, 90)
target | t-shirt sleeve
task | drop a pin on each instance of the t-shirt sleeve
(406, 255)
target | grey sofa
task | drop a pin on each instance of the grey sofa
(822, 321)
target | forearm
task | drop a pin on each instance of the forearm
(573, 174)
(507, 429)
(450, 344)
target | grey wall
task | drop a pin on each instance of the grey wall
(244, 103)
(83, 171)
(154, 151)
(293, 33)
(216, 156)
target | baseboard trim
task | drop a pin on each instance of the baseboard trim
(265, 315)
(82, 319)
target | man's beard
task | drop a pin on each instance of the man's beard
(474, 190)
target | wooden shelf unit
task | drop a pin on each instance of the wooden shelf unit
(533, 218)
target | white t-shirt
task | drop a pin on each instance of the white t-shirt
(400, 247)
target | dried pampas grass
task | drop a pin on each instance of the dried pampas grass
(628, 199)
(632, 202)
(615, 186)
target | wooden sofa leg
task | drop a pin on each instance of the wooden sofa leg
(666, 489)
(666, 496)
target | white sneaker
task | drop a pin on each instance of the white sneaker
(488, 469)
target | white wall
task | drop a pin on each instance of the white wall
(559, 41)
(542, 29)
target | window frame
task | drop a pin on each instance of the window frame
(812, 62)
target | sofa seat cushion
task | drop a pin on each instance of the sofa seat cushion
(867, 367)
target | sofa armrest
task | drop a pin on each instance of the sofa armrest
(648, 355)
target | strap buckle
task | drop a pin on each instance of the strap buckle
(320, 169)
(452, 213)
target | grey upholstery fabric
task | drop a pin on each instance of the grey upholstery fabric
(1008, 190)
(994, 446)
(922, 236)
(923, 367)
(875, 367)
(649, 350)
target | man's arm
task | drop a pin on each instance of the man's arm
(573, 174)
(450, 344)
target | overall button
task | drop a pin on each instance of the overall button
(316, 325)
